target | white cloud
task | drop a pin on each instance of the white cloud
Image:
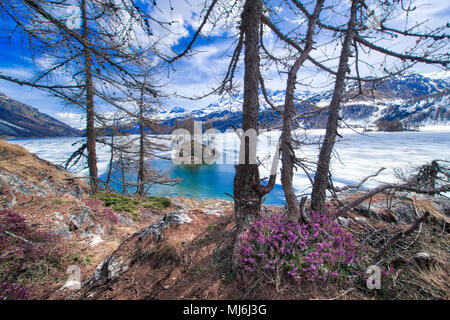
(75, 120)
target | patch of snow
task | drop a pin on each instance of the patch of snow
(13, 125)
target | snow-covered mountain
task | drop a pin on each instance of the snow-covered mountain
(414, 100)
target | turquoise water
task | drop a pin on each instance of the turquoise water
(356, 156)
(202, 182)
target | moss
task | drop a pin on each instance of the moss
(87, 261)
(119, 202)
(157, 203)
(132, 205)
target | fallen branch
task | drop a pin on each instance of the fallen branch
(402, 234)
(360, 183)
(17, 237)
(407, 187)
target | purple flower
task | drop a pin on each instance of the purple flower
(313, 251)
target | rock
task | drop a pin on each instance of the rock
(71, 285)
(371, 210)
(20, 185)
(412, 195)
(360, 219)
(442, 205)
(62, 228)
(7, 202)
(124, 220)
(99, 230)
(86, 234)
(343, 221)
(63, 231)
(59, 215)
(213, 212)
(422, 256)
(116, 265)
(156, 229)
(80, 220)
(95, 240)
(110, 268)
(402, 212)
(98, 270)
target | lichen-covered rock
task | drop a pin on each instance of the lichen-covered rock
(156, 229)
(402, 212)
(81, 220)
(21, 185)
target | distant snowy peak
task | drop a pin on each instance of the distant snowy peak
(178, 110)
(229, 105)
(414, 98)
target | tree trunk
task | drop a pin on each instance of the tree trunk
(288, 155)
(247, 186)
(323, 166)
(90, 111)
(141, 173)
(111, 159)
(123, 172)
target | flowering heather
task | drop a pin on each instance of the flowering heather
(21, 250)
(111, 215)
(13, 291)
(93, 203)
(311, 251)
(97, 205)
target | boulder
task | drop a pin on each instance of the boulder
(81, 220)
(398, 211)
(402, 212)
(156, 229)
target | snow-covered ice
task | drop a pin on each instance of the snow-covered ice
(355, 157)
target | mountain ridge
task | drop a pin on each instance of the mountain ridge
(19, 120)
(414, 99)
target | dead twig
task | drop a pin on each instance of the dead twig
(402, 234)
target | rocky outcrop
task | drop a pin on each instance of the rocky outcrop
(120, 261)
(157, 228)
(28, 183)
(24, 175)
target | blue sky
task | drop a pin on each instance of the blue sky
(194, 75)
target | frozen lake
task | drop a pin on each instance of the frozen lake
(356, 156)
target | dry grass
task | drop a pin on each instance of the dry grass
(409, 275)
(8, 150)
(17, 160)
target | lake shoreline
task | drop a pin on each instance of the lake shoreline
(358, 156)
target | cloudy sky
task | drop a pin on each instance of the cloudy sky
(200, 72)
